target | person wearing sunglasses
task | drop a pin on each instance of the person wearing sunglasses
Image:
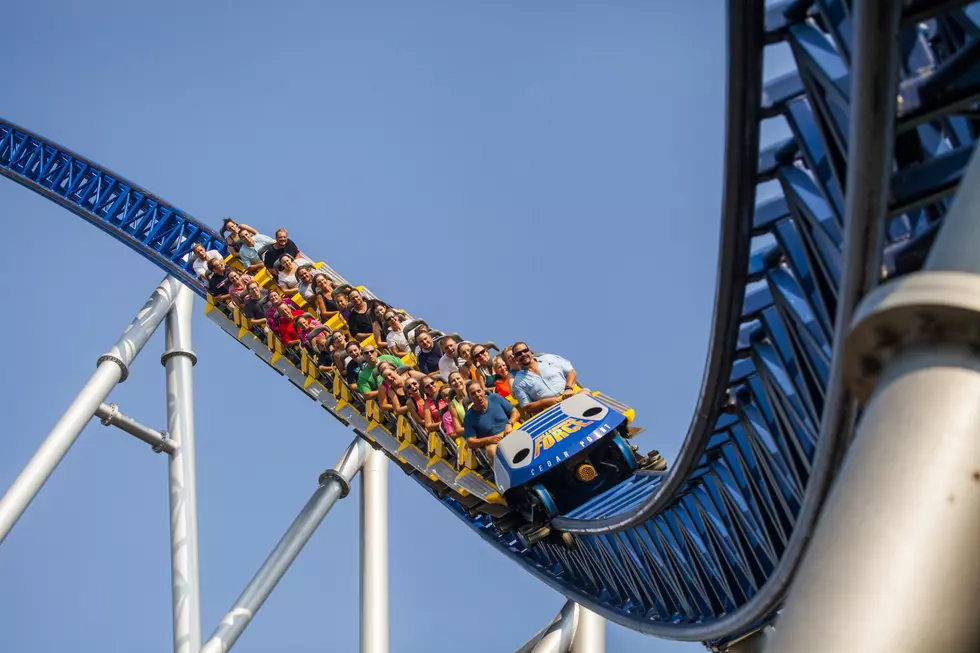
(368, 378)
(480, 356)
(542, 381)
(425, 406)
(396, 340)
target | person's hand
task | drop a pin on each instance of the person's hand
(568, 392)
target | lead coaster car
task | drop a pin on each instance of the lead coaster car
(558, 460)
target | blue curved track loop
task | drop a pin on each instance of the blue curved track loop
(714, 530)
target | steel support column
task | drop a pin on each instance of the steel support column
(901, 527)
(590, 634)
(113, 368)
(374, 553)
(334, 484)
(110, 416)
(754, 643)
(179, 360)
(557, 636)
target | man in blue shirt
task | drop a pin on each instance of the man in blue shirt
(542, 381)
(488, 420)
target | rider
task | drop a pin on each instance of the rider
(542, 381)
(488, 420)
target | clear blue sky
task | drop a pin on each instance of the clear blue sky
(544, 171)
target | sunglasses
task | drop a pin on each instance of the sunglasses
(370, 351)
(478, 352)
(521, 352)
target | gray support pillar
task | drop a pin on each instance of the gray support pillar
(557, 636)
(893, 566)
(375, 632)
(590, 635)
(113, 368)
(179, 360)
(334, 484)
(110, 416)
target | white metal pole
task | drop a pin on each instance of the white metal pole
(179, 359)
(557, 636)
(111, 416)
(113, 368)
(374, 554)
(334, 484)
(590, 634)
(893, 565)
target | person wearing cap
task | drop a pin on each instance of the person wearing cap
(542, 381)
(368, 380)
(447, 362)
(250, 250)
(200, 258)
(396, 340)
(281, 245)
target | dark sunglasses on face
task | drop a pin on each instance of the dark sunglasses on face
(521, 352)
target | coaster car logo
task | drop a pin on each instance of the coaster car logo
(557, 433)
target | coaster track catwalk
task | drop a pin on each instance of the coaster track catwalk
(810, 224)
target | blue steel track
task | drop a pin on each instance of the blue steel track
(705, 552)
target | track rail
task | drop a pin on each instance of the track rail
(706, 551)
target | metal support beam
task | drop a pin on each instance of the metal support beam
(557, 636)
(754, 643)
(110, 416)
(375, 631)
(113, 368)
(179, 359)
(590, 635)
(334, 484)
(901, 529)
